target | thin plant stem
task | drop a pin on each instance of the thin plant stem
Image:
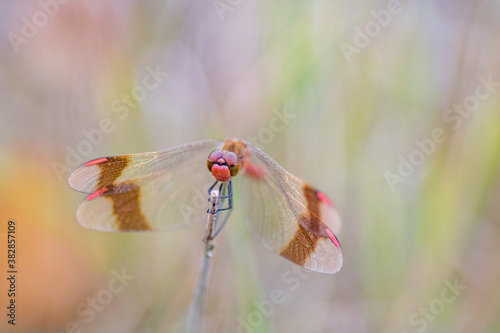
(198, 301)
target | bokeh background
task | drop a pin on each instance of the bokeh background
(393, 111)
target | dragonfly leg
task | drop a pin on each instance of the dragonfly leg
(226, 217)
(229, 195)
(210, 191)
(211, 188)
(227, 211)
(226, 189)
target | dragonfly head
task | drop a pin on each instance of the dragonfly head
(223, 164)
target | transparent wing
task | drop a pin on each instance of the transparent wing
(103, 172)
(289, 216)
(161, 190)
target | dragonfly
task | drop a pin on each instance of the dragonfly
(167, 189)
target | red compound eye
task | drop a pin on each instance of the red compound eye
(215, 155)
(233, 162)
(231, 158)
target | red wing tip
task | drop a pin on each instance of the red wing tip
(96, 194)
(332, 237)
(96, 161)
(321, 196)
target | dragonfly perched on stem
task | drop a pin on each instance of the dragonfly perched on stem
(168, 189)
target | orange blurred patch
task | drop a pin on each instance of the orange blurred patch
(52, 277)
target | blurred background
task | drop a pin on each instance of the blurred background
(389, 107)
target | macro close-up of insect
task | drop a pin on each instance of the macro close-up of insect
(250, 166)
(154, 192)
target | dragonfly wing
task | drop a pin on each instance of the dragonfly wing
(161, 190)
(289, 216)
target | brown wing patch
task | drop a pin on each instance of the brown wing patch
(312, 222)
(127, 207)
(310, 230)
(124, 196)
(111, 170)
(300, 247)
